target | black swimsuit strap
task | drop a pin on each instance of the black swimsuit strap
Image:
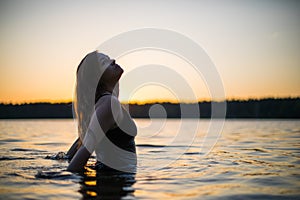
(99, 96)
(104, 94)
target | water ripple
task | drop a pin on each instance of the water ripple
(15, 158)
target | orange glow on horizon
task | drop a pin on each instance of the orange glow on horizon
(254, 61)
(150, 101)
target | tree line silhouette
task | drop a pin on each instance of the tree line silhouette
(263, 108)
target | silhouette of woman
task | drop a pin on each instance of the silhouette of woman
(104, 126)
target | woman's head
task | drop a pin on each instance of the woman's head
(108, 81)
(96, 74)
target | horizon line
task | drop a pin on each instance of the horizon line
(153, 101)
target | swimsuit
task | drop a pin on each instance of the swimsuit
(116, 151)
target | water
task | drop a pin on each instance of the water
(253, 159)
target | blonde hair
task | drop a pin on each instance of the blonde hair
(88, 77)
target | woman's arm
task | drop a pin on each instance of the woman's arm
(79, 160)
(73, 149)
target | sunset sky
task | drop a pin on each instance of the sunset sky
(254, 45)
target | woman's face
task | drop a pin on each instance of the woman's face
(112, 74)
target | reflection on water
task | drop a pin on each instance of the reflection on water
(93, 183)
(109, 185)
(254, 159)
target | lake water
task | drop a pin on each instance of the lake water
(252, 159)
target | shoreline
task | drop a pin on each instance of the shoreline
(285, 108)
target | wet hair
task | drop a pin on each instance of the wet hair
(89, 87)
(87, 82)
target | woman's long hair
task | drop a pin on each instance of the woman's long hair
(88, 88)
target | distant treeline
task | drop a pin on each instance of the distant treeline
(264, 108)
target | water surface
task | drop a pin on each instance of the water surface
(253, 159)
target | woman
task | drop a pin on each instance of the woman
(104, 126)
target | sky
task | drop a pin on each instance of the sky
(254, 46)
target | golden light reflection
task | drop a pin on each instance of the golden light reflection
(214, 189)
(91, 193)
(90, 172)
(90, 183)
